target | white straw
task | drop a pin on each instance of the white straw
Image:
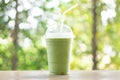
(63, 15)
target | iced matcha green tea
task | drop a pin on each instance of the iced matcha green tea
(59, 50)
(59, 46)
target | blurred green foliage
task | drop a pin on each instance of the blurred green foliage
(32, 52)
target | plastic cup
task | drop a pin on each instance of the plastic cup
(59, 46)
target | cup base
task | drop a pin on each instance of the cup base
(58, 73)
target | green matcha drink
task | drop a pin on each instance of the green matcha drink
(59, 44)
(58, 51)
(59, 39)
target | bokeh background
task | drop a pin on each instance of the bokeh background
(95, 23)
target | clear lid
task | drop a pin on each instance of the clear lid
(58, 32)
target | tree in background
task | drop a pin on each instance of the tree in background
(94, 33)
(14, 35)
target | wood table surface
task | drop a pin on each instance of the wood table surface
(73, 75)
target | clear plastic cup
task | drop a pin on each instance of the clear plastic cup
(59, 44)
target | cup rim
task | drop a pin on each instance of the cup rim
(59, 35)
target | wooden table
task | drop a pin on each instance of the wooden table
(73, 75)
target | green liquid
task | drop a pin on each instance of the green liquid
(58, 51)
